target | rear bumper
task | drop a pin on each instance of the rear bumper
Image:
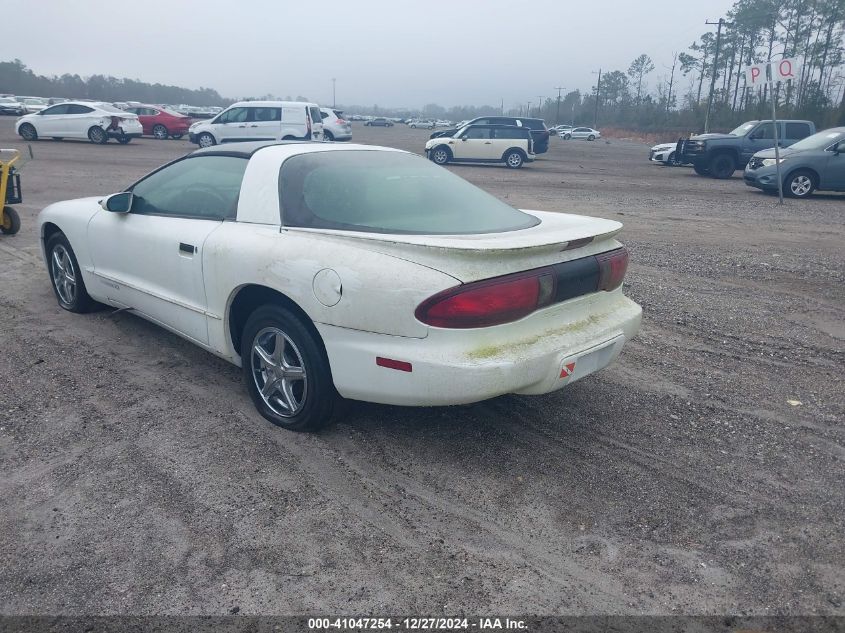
(535, 356)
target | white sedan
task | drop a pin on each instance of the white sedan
(328, 270)
(587, 133)
(98, 122)
(664, 153)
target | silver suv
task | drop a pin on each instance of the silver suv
(335, 127)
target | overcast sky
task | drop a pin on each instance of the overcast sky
(385, 52)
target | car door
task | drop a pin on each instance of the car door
(263, 123)
(50, 120)
(760, 138)
(78, 121)
(231, 125)
(150, 259)
(473, 144)
(833, 171)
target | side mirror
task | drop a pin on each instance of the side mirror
(839, 148)
(118, 202)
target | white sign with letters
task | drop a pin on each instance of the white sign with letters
(780, 71)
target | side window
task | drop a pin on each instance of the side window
(477, 133)
(315, 115)
(509, 133)
(56, 109)
(265, 114)
(324, 114)
(201, 187)
(797, 131)
(78, 109)
(234, 115)
(765, 131)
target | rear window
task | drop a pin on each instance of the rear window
(797, 130)
(510, 132)
(388, 192)
(534, 124)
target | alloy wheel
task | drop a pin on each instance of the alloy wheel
(64, 275)
(279, 372)
(801, 185)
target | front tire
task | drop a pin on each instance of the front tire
(441, 155)
(98, 135)
(206, 140)
(160, 132)
(514, 159)
(286, 370)
(800, 184)
(722, 166)
(65, 275)
(27, 132)
(566, 137)
(700, 169)
(11, 221)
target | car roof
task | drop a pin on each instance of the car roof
(245, 149)
(265, 104)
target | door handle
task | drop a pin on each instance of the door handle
(253, 125)
(244, 125)
(187, 248)
(488, 142)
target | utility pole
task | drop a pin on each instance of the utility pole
(557, 114)
(503, 107)
(529, 109)
(721, 22)
(540, 102)
(598, 96)
(334, 96)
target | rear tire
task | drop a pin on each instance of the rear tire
(722, 166)
(328, 136)
(11, 221)
(566, 137)
(98, 135)
(514, 159)
(65, 275)
(160, 132)
(297, 380)
(176, 137)
(591, 137)
(27, 132)
(124, 140)
(800, 184)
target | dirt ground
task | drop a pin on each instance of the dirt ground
(136, 478)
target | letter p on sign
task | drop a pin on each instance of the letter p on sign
(755, 75)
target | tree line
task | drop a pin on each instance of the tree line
(753, 31)
(17, 79)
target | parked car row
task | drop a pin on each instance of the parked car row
(809, 160)
(17, 105)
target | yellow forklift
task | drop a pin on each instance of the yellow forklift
(10, 191)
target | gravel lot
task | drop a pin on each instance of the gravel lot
(136, 477)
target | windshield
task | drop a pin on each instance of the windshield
(820, 140)
(388, 192)
(743, 129)
(7, 100)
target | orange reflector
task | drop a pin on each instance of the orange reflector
(399, 365)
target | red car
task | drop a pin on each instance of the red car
(161, 122)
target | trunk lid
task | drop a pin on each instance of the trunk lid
(559, 237)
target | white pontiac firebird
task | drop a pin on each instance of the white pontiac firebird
(328, 270)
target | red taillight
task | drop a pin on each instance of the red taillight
(612, 267)
(341, 121)
(489, 302)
